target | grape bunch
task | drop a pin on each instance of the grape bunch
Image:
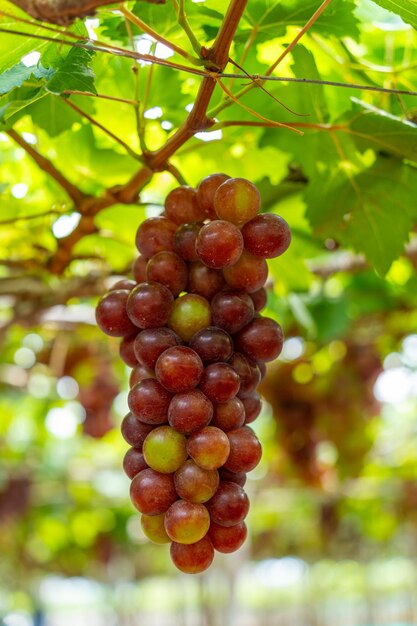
(192, 331)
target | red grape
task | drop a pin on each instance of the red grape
(232, 477)
(206, 190)
(204, 281)
(190, 411)
(181, 206)
(209, 447)
(245, 450)
(259, 299)
(149, 401)
(267, 236)
(227, 539)
(140, 372)
(261, 339)
(249, 373)
(149, 305)
(186, 522)
(229, 505)
(229, 415)
(151, 343)
(179, 369)
(139, 269)
(123, 284)
(248, 274)
(237, 200)
(111, 314)
(152, 493)
(219, 244)
(232, 310)
(253, 406)
(184, 241)
(126, 351)
(134, 431)
(168, 269)
(155, 235)
(193, 558)
(220, 382)
(212, 344)
(134, 462)
(194, 483)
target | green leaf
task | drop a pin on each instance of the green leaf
(17, 75)
(381, 131)
(406, 9)
(372, 211)
(53, 115)
(74, 74)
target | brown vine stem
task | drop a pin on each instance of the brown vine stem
(60, 11)
(73, 192)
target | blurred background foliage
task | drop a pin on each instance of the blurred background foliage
(335, 496)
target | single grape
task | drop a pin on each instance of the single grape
(134, 431)
(227, 539)
(149, 305)
(206, 190)
(184, 241)
(153, 527)
(249, 373)
(212, 344)
(248, 274)
(226, 475)
(125, 283)
(193, 558)
(253, 406)
(181, 206)
(149, 401)
(237, 200)
(111, 314)
(165, 449)
(152, 493)
(245, 450)
(262, 339)
(134, 462)
(229, 415)
(151, 343)
(190, 314)
(168, 269)
(186, 522)
(219, 244)
(179, 369)
(139, 269)
(140, 372)
(259, 299)
(232, 310)
(195, 484)
(209, 447)
(204, 281)
(229, 505)
(220, 382)
(262, 369)
(189, 411)
(155, 235)
(126, 351)
(267, 236)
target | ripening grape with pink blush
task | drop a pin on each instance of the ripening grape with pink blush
(219, 244)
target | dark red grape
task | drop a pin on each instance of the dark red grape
(186, 522)
(151, 343)
(152, 493)
(259, 299)
(219, 244)
(111, 314)
(149, 305)
(232, 477)
(229, 415)
(184, 241)
(140, 372)
(253, 406)
(245, 450)
(134, 431)
(232, 310)
(261, 339)
(229, 505)
(190, 314)
(125, 283)
(228, 539)
(155, 235)
(206, 190)
(204, 281)
(193, 558)
(220, 382)
(237, 200)
(134, 462)
(262, 369)
(249, 373)
(181, 206)
(126, 351)
(194, 483)
(168, 269)
(179, 369)
(190, 411)
(149, 401)
(212, 344)
(248, 274)
(267, 236)
(165, 449)
(139, 269)
(209, 447)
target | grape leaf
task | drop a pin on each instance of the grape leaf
(52, 115)
(372, 211)
(74, 73)
(381, 131)
(18, 74)
(406, 9)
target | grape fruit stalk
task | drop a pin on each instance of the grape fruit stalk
(193, 334)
